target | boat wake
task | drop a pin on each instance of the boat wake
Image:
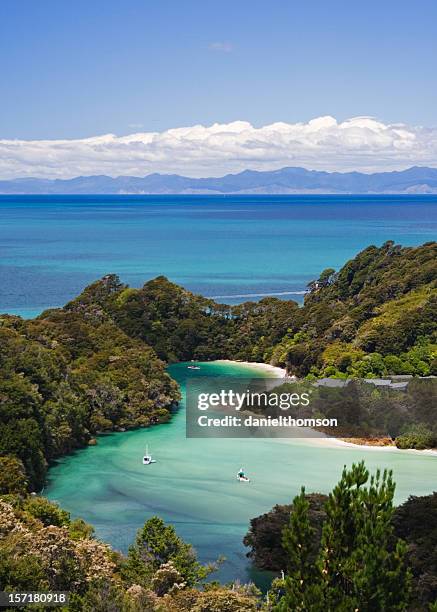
(244, 295)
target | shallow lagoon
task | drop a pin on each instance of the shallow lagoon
(193, 483)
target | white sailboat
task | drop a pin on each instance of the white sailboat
(241, 476)
(147, 459)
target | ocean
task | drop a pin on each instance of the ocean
(231, 248)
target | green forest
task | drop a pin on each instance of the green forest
(65, 377)
(98, 364)
(375, 317)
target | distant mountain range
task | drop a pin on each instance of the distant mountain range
(286, 180)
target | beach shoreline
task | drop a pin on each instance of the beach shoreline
(256, 365)
(322, 439)
(372, 447)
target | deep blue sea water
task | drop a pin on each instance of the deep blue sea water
(52, 246)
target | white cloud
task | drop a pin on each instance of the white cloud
(224, 46)
(360, 143)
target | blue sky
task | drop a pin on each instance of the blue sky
(72, 69)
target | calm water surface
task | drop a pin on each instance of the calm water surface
(231, 246)
(193, 483)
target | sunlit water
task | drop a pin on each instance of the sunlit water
(233, 248)
(193, 484)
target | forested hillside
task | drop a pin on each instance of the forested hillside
(65, 377)
(43, 549)
(180, 325)
(98, 363)
(376, 316)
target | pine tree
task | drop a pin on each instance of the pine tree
(302, 583)
(361, 566)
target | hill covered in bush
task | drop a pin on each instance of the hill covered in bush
(65, 377)
(98, 364)
(180, 325)
(376, 316)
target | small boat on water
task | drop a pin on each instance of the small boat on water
(193, 367)
(147, 459)
(241, 476)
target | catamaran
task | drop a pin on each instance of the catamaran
(147, 459)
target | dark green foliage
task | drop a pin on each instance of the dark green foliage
(46, 512)
(79, 529)
(376, 316)
(265, 538)
(69, 374)
(361, 565)
(265, 534)
(74, 372)
(94, 366)
(181, 326)
(42, 549)
(418, 436)
(415, 521)
(12, 475)
(20, 573)
(381, 305)
(259, 326)
(157, 544)
(36, 548)
(174, 321)
(303, 587)
(103, 597)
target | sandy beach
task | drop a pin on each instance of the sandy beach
(316, 438)
(337, 442)
(320, 439)
(273, 370)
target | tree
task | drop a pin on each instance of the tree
(215, 598)
(37, 555)
(418, 436)
(361, 565)
(47, 512)
(265, 534)
(167, 579)
(12, 476)
(302, 584)
(157, 544)
(415, 521)
(326, 277)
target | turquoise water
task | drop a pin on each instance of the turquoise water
(193, 483)
(224, 247)
(231, 246)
